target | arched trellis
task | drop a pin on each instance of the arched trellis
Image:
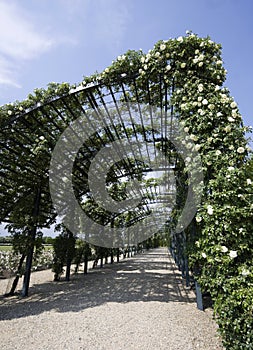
(159, 81)
(39, 130)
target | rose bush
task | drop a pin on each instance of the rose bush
(9, 261)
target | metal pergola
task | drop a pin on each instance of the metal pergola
(120, 112)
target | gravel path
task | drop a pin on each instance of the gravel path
(137, 304)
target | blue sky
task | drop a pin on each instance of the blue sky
(63, 40)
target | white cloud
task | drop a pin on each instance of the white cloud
(18, 37)
(26, 33)
(20, 40)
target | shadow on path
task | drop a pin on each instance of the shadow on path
(151, 276)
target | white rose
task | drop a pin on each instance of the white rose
(218, 152)
(209, 210)
(193, 137)
(231, 120)
(233, 254)
(180, 39)
(231, 168)
(157, 54)
(233, 104)
(186, 129)
(168, 67)
(200, 64)
(245, 272)
(240, 149)
(205, 102)
(198, 218)
(204, 255)
(142, 59)
(224, 249)
(249, 182)
(200, 87)
(227, 128)
(183, 65)
(197, 147)
(162, 47)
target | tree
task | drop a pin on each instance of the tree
(64, 252)
(82, 254)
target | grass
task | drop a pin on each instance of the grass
(5, 248)
(48, 247)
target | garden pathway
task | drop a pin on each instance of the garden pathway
(139, 303)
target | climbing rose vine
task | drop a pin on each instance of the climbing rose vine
(221, 249)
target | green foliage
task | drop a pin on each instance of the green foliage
(82, 252)
(48, 240)
(5, 247)
(64, 251)
(5, 240)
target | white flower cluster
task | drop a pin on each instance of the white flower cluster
(232, 253)
(210, 210)
(9, 261)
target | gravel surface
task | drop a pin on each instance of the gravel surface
(137, 304)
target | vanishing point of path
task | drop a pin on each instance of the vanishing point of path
(137, 304)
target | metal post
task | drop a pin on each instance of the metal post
(29, 258)
(199, 296)
(187, 274)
